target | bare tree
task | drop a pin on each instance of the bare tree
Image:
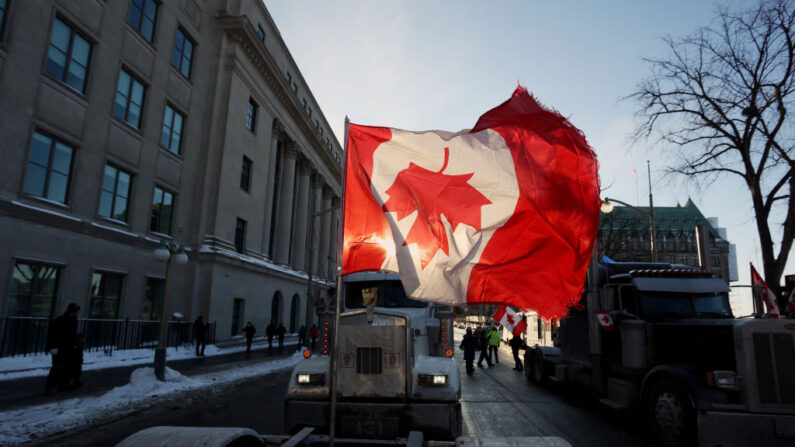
(720, 99)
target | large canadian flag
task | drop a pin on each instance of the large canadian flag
(760, 286)
(510, 320)
(504, 213)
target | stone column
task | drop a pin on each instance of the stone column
(301, 212)
(324, 234)
(334, 234)
(318, 230)
(269, 198)
(285, 211)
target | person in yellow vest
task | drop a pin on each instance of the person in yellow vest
(494, 344)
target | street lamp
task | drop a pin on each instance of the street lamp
(164, 252)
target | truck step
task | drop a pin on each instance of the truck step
(612, 404)
(556, 379)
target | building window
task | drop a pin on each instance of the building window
(309, 112)
(3, 9)
(183, 53)
(295, 89)
(129, 99)
(34, 288)
(251, 116)
(317, 125)
(153, 298)
(162, 210)
(240, 235)
(261, 33)
(171, 135)
(716, 261)
(142, 17)
(49, 167)
(245, 174)
(288, 77)
(115, 194)
(303, 103)
(67, 57)
(105, 295)
(237, 315)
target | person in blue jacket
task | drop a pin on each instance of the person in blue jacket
(469, 344)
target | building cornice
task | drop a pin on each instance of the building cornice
(240, 30)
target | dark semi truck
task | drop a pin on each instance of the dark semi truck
(673, 349)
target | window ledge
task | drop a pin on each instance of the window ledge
(109, 220)
(124, 125)
(170, 153)
(61, 86)
(46, 201)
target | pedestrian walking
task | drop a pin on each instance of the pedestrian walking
(200, 333)
(314, 332)
(494, 344)
(280, 335)
(249, 331)
(76, 367)
(301, 336)
(61, 344)
(469, 344)
(270, 331)
(484, 347)
(516, 345)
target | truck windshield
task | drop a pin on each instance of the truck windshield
(380, 294)
(686, 306)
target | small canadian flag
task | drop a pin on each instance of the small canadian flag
(510, 320)
(604, 320)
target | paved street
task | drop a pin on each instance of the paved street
(499, 401)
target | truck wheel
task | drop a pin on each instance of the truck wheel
(671, 415)
(538, 368)
(528, 364)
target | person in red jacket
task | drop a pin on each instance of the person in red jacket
(314, 333)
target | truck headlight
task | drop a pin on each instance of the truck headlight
(726, 380)
(309, 379)
(432, 379)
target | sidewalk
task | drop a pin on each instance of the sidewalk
(20, 386)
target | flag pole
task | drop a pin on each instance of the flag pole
(340, 293)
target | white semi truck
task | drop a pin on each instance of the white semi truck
(396, 371)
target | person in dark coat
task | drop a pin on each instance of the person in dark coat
(516, 345)
(469, 344)
(280, 335)
(76, 367)
(270, 331)
(314, 332)
(480, 334)
(249, 331)
(301, 337)
(200, 332)
(62, 345)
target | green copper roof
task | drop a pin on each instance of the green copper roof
(667, 219)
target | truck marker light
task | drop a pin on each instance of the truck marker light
(448, 352)
(307, 353)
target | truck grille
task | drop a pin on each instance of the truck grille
(774, 361)
(368, 360)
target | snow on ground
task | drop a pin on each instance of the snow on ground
(28, 424)
(39, 365)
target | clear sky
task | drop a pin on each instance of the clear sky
(425, 64)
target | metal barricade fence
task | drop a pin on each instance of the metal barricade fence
(23, 336)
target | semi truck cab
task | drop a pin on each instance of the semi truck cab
(676, 352)
(396, 371)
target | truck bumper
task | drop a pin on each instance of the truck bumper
(437, 420)
(741, 429)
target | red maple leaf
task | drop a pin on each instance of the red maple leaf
(510, 319)
(433, 194)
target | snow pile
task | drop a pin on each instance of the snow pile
(39, 365)
(144, 391)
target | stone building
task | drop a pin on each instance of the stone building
(124, 123)
(624, 236)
